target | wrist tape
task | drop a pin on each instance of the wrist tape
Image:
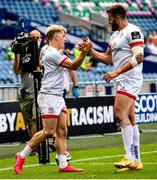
(133, 62)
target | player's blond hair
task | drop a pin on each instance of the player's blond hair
(51, 30)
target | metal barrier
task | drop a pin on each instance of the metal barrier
(9, 92)
(101, 88)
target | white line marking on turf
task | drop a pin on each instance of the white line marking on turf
(79, 160)
(99, 163)
(106, 157)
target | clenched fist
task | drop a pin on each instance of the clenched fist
(86, 45)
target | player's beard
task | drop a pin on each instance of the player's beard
(115, 26)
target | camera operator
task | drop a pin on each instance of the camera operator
(26, 95)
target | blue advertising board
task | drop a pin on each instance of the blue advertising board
(92, 115)
(146, 108)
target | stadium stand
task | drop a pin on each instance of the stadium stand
(139, 11)
(37, 12)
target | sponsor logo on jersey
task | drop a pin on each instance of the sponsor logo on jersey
(135, 35)
(116, 49)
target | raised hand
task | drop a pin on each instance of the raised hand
(86, 45)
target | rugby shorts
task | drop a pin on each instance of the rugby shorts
(127, 86)
(51, 105)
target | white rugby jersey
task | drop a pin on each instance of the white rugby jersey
(121, 43)
(53, 79)
(66, 80)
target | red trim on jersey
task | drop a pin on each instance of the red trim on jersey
(49, 116)
(63, 60)
(127, 94)
(136, 43)
(64, 111)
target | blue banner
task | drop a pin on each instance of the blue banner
(146, 108)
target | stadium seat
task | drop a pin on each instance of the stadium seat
(140, 14)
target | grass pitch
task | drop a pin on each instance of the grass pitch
(95, 155)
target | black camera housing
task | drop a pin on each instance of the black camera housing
(27, 47)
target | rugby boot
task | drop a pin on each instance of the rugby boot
(18, 164)
(132, 166)
(124, 162)
(69, 168)
(124, 169)
(136, 166)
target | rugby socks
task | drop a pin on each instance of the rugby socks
(26, 151)
(136, 143)
(127, 135)
(62, 161)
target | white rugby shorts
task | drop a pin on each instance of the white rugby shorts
(128, 87)
(51, 105)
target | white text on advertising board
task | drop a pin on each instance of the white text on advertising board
(146, 108)
(11, 122)
(90, 115)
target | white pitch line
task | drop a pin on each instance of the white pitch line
(106, 157)
(86, 159)
(99, 163)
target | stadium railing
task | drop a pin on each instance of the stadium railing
(9, 92)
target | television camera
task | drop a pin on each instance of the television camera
(27, 48)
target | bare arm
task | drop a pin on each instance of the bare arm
(16, 65)
(73, 65)
(73, 76)
(75, 88)
(126, 67)
(105, 58)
